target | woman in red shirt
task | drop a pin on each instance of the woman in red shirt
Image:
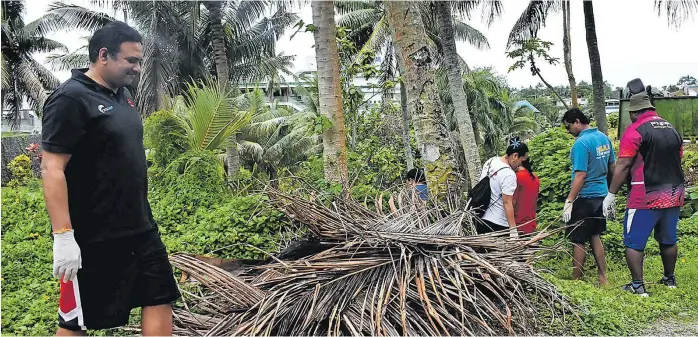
(526, 198)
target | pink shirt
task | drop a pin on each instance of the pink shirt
(657, 183)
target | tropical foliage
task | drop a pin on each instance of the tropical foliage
(178, 44)
(24, 78)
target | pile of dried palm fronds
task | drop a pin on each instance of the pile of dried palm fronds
(415, 271)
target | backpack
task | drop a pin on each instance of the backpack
(481, 194)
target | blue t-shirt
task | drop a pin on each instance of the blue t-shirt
(592, 152)
(422, 191)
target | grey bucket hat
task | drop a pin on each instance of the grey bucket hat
(640, 101)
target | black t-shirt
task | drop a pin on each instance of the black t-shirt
(107, 172)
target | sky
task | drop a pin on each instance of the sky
(634, 41)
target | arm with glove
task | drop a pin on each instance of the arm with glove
(579, 157)
(577, 185)
(66, 252)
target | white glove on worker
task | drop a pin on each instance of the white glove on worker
(567, 211)
(66, 256)
(609, 205)
(513, 233)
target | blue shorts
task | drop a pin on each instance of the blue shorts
(639, 223)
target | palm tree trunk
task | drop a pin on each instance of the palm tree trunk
(409, 158)
(218, 42)
(273, 177)
(595, 61)
(221, 61)
(567, 50)
(455, 84)
(330, 93)
(410, 38)
(550, 87)
(125, 15)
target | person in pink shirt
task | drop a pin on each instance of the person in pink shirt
(650, 155)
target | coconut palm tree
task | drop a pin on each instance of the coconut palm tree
(418, 71)
(595, 62)
(370, 29)
(210, 115)
(497, 118)
(677, 11)
(276, 137)
(23, 78)
(330, 93)
(535, 16)
(178, 41)
(455, 80)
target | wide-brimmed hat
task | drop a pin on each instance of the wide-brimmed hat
(639, 102)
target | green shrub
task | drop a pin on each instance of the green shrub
(29, 291)
(229, 229)
(613, 121)
(550, 156)
(21, 170)
(163, 137)
(195, 179)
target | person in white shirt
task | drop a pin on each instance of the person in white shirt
(500, 213)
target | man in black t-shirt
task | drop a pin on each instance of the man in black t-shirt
(107, 249)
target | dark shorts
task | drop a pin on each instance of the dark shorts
(483, 226)
(639, 223)
(117, 276)
(587, 220)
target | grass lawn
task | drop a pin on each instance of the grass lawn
(609, 310)
(12, 133)
(30, 294)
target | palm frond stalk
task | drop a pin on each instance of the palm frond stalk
(412, 272)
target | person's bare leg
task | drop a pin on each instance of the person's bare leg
(66, 332)
(578, 258)
(635, 259)
(668, 254)
(599, 256)
(157, 320)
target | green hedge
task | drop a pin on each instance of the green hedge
(194, 216)
(550, 157)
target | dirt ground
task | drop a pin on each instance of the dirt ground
(683, 326)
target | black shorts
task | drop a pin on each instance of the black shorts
(117, 276)
(483, 226)
(587, 220)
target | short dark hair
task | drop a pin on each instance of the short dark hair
(515, 145)
(574, 114)
(417, 175)
(111, 36)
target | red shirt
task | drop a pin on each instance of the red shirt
(525, 200)
(657, 179)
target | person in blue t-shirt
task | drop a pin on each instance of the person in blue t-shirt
(419, 180)
(592, 159)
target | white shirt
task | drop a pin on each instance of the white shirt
(502, 182)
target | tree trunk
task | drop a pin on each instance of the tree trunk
(218, 42)
(330, 93)
(125, 15)
(595, 61)
(455, 84)
(567, 50)
(409, 158)
(410, 38)
(221, 61)
(550, 87)
(273, 177)
(232, 157)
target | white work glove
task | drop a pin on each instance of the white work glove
(609, 205)
(513, 233)
(66, 256)
(567, 211)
